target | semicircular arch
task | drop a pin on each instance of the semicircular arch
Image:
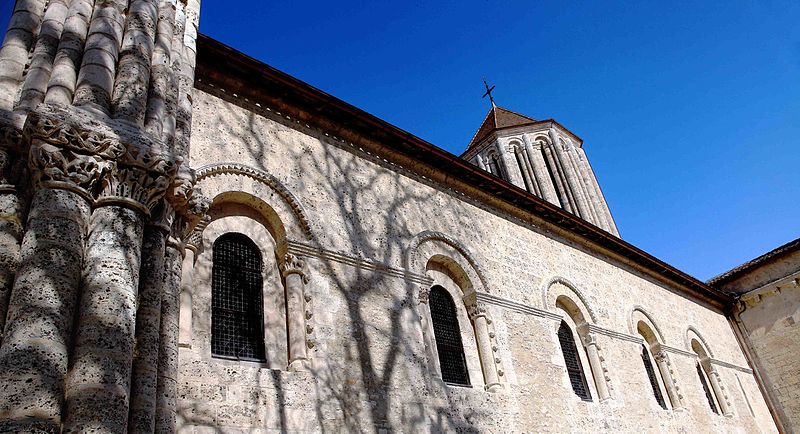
(442, 249)
(245, 185)
(642, 323)
(557, 289)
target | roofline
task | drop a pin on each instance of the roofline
(248, 79)
(493, 134)
(734, 273)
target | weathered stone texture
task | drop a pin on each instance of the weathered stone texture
(369, 364)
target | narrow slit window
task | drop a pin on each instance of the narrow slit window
(706, 389)
(651, 375)
(448, 337)
(573, 362)
(237, 317)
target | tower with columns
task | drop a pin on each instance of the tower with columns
(543, 158)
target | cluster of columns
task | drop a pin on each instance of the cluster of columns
(92, 242)
(555, 170)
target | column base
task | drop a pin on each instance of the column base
(298, 365)
(494, 387)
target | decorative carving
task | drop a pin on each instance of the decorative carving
(263, 177)
(133, 187)
(292, 264)
(476, 309)
(661, 357)
(423, 294)
(55, 167)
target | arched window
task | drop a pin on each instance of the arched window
(448, 337)
(494, 165)
(709, 378)
(651, 375)
(573, 362)
(237, 317)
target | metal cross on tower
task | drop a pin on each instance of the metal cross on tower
(488, 92)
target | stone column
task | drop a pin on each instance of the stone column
(38, 75)
(63, 78)
(481, 163)
(665, 368)
(129, 100)
(193, 246)
(523, 166)
(596, 363)
(99, 385)
(592, 181)
(100, 55)
(540, 172)
(512, 169)
(144, 371)
(11, 218)
(480, 321)
(167, 403)
(531, 174)
(564, 195)
(573, 184)
(21, 34)
(295, 277)
(719, 391)
(35, 350)
(427, 330)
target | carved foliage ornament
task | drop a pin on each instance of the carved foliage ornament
(292, 264)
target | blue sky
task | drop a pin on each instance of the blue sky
(689, 110)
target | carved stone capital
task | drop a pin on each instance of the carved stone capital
(475, 309)
(133, 187)
(54, 167)
(423, 294)
(661, 357)
(292, 264)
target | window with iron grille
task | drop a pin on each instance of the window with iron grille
(448, 337)
(651, 375)
(573, 362)
(706, 389)
(237, 317)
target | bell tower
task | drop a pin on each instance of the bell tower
(542, 157)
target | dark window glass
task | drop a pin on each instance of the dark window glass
(237, 325)
(448, 337)
(573, 362)
(706, 389)
(651, 375)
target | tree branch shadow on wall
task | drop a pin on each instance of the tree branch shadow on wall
(373, 362)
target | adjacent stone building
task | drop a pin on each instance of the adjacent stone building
(767, 313)
(193, 241)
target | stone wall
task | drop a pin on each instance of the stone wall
(767, 315)
(374, 237)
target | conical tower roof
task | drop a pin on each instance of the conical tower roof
(497, 118)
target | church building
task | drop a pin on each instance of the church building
(193, 241)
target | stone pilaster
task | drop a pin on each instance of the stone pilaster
(512, 169)
(572, 184)
(487, 350)
(564, 196)
(295, 277)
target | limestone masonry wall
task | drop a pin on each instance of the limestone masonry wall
(372, 239)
